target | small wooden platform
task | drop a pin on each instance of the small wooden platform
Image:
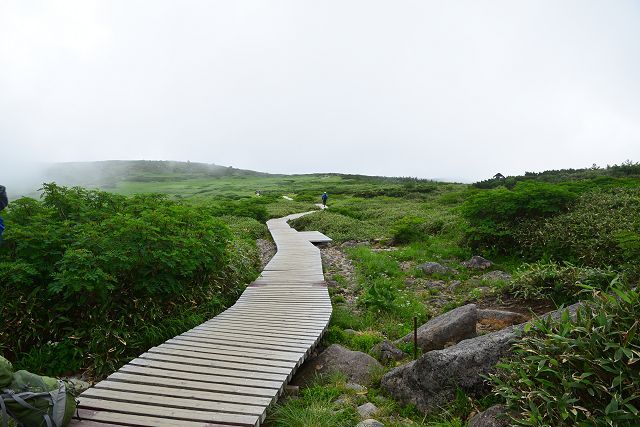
(228, 370)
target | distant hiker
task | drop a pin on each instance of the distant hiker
(3, 204)
(325, 196)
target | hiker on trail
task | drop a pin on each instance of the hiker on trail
(325, 196)
(3, 204)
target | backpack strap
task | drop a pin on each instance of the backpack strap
(3, 409)
(19, 398)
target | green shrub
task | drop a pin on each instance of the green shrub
(601, 229)
(493, 214)
(83, 275)
(560, 282)
(581, 372)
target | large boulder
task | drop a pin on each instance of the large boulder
(477, 263)
(431, 380)
(495, 416)
(357, 366)
(435, 268)
(448, 328)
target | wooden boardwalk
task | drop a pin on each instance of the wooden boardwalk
(227, 371)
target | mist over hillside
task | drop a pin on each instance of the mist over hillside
(27, 179)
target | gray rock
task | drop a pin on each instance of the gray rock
(370, 423)
(477, 263)
(451, 327)
(431, 380)
(342, 401)
(77, 385)
(367, 410)
(349, 331)
(435, 268)
(357, 366)
(496, 416)
(355, 387)
(387, 352)
(454, 285)
(496, 275)
(507, 317)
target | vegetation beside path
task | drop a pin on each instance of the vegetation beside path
(118, 274)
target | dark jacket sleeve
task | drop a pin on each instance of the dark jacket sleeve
(3, 197)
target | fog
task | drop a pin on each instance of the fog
(455, 90)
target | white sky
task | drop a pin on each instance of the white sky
(434, 89)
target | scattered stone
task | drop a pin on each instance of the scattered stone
(350, 332)
(342, 401)
(495, 416)
(355, 387)
(435, 268)
(477, 263)
(453, 326)
(352, 243)
(357, 366)
(454, 285)
(496, 275)
(367, 410)
(507, 318)
(386, 352)
(370, 423)
(431, 380)
(434, 284)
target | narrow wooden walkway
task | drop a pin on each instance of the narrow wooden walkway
(227, 371)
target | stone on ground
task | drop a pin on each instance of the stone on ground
(451, 327)
(495, 416)
(431, 380)
(477, 263)
(367, 410)
(435, 268)
(357, 366)
(370, 423)
(496, 275)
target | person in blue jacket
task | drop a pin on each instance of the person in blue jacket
(325, 196)
(3, 204)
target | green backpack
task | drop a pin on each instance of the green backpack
(32, 400)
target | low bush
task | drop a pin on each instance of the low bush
(494, 214)
(581, 372)
(89, 279)
(601, 229)
(559, 282)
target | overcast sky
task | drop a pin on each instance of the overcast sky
(434, 89)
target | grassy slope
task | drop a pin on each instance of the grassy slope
(387, 289)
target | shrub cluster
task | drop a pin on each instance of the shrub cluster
(601, 229)
(560, 282)
(89, 278)
(581, 372)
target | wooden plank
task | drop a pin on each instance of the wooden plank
(244, 385)
(222, 372)
(239, 365)
(199, 395)
(196, 402)
(232, 350)
(240, 344)
(91, 418)
(248, 394)
(174, 414)
(217, 355)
